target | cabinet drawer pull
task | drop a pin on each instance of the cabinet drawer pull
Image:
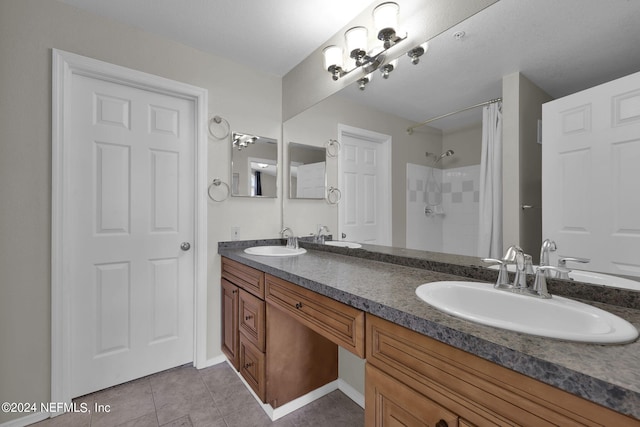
(248, 365)
(248, 317)
(442, 423)
(235, 291)
(299, 305)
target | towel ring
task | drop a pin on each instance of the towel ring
(217, 120)
(217, 182)
(333, 195)
(333, 147)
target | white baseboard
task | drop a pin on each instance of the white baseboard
(213, 361)
(301, 401)
(351, 392)
(25, 421)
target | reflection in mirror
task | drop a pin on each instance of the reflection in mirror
(520, 51)
(254, 166)
(307, 171)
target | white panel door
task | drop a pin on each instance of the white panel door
(131, 203)
(364, 211)
(591, 175)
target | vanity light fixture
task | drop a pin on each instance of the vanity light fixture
(385, 21)
(388, 68)
(417, 52)
(385, 18)
(364, 81)
(241, 140)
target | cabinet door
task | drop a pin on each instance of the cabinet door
(252, 367)
(251, 319)
(230, 321)
(389, 403)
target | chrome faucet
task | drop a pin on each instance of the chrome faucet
(319, 237)
(547, 246)
(284, 231)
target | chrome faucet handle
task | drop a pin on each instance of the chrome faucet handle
(562, 262)
(503, 276)
(540, 284)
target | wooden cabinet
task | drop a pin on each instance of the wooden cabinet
(332, 319)
(280, 358)
(477, 391)
(392, 403)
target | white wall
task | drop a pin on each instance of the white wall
(29, 29)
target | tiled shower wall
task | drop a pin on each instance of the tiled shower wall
(455, 230)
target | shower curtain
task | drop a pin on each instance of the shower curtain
(490, 225)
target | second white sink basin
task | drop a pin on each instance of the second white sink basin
(558, 317)
(592, 277)
(274, 251)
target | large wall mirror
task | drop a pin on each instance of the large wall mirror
(463, 66)
(307, 171)
(254, 166)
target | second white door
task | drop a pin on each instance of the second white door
(365, 209)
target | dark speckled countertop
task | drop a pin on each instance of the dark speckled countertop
(385, 286)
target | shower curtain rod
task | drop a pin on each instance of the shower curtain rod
(410, 129)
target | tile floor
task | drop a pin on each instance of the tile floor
(211, 397)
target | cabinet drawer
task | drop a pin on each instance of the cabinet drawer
(391, 403)
(249, 279)
(251, 319)
(334, 320)
(252, 366)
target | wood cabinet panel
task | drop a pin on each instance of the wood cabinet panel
(252, 366)
(480, 391)
(336, 321)
(247, 278)
(251, 319)
(229, 320)
(299, 360)
(392, 404)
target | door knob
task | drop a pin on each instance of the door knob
(185, 246)
(344, 236)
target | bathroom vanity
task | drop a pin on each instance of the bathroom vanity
(283, 319)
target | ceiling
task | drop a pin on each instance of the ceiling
(561, 46)
(272, 36)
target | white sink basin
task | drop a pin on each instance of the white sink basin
(343, 244)
(558, 317)
(274, 251)
(592, 277)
